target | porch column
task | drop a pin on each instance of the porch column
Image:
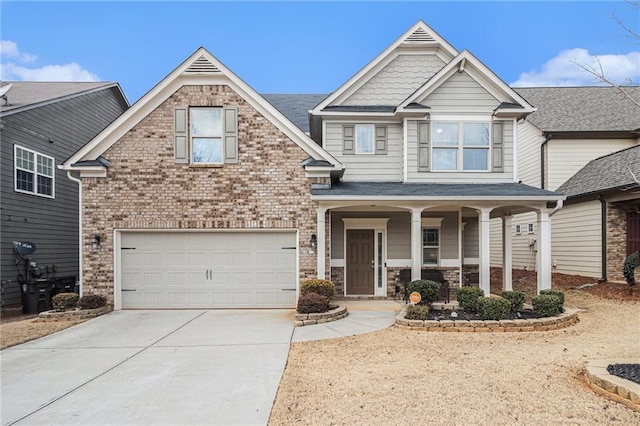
(416, 243)
(321, 243)
(544, 250)
(506, 254)
(485, 261)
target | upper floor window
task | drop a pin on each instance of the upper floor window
(206, 135)
(460, 146)
(34, 172)
(364, 139)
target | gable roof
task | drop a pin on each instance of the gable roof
(419, 35)
(617, 171)
(580, 109)
(24, 95)
(200, 68)
(295, 107)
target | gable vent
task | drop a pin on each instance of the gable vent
(420, 36)
(202, 65)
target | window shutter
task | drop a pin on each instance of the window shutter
(423, 147)
(497, 147)
(230, 135)
(381, 140)
(348, 141)
(180, 135)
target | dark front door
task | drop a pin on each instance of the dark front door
(633, 233)
(360, 264)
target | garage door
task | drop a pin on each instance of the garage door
(208, 270)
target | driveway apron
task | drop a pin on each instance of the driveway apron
(150, 367)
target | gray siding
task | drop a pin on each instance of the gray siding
(397, 80)
(448, 233)
(57, 130)
(368, 167)
(470, 238)
(461, 93)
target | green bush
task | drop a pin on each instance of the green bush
(547, 305)
(516, 298)
(92, 301)
(64, 301)
(417, 312)
(312, 303)
(558, 294)
(428, 290)
(493, 308)
(468, 298)
(322, 287)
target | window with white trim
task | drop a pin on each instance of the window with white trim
(206, 135)
(365, 141)
(431, 240)
(518, 229)
(460, 146)
(530, 228)
(34, 172)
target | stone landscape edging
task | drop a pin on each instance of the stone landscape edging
(613, 387)
(301, 320)
(565, 319)
(55, 315)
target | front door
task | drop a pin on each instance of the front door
(360, 262)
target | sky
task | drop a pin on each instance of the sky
(310, 47)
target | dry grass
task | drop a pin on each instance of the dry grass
(404, 377)
(15, 332)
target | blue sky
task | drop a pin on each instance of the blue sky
(307, 47)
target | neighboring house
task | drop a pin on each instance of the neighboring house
(203, 194)
(571, 127)
(42, 124)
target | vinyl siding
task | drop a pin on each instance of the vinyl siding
(461, 93)
(529, 140)
(471, 238)
(397, 80)
(57, 130)
(368, 167)
(523, 256)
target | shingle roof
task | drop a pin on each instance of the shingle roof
(583, 109)
(613, 171)
(445, 190)
(295, 107)
(27, 93)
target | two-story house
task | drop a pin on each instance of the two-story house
(41, 125)
(203, 194)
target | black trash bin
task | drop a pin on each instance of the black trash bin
(36, 296)
(64, 284)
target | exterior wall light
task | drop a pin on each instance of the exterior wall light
(314, 241)
(95, 242)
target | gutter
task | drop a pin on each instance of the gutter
(542, 163)
(603, 237)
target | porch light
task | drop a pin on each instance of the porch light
(314, 241)
(95, 242)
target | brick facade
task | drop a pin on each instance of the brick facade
(617, 237)
(146, 190)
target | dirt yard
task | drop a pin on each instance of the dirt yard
(16, 328)
(405, 377)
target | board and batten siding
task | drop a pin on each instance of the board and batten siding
(566, 157)
(367, 167)
(529, 140)
(397, 80)
(57, 129)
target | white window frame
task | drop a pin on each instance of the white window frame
(530, 229)
(518, 229)
(35, 172)
(220, 137)
(373, 139)
(431, 223)
(460, 146)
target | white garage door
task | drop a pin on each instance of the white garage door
(208, 269)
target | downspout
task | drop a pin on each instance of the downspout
(542, 164)
(79, 182)
(603, 237)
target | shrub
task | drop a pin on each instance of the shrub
(557, 293)
(417, 312)
(468, 298)
(64, 301)
(546, 305)
(428, 290)
(516, 298)
(322, 287)
(493, 308)
(92, 301)
(312, 303)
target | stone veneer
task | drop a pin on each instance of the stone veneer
(146, 190)
(617, 238)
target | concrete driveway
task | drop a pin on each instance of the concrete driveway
(150, 367)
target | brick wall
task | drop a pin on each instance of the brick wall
(145, 189)
(617, 237)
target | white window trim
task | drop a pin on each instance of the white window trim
(518, 229)
(36, 154)
(530, 228)
(221, 137)
(431, 223)
(355, 139)
(460, 147)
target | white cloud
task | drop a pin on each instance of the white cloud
(566, 69)
(15, 66)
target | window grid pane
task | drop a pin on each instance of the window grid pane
(24, 180)
(445, 134)
(45, 166)
(207, 150)
(475, 134)
(430, 245)
(45, 185)
(445, 159)
(24, 159)
(206, 122)
(475, 159)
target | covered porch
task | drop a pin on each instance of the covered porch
(372, 231)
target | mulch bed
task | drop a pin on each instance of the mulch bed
(468, 316)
